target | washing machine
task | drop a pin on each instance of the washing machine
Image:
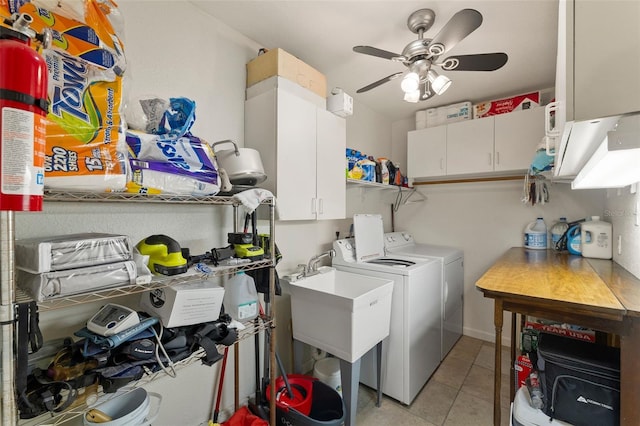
(411, 352)
(452, 261)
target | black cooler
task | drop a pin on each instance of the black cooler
(580, 380)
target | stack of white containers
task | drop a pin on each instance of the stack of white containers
(65, 265)
(443, 115)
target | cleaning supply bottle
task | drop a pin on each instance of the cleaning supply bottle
(574, 244)
(557, 231)
(595, 237)
(241, 297)
(384, 170)
(535, 235)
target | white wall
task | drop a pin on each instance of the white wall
(484, 220)
(622, 210)
(369, 132)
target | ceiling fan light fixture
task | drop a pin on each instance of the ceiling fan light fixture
(439, 83)
(410, 82)
(412, 97)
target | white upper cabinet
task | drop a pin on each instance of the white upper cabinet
(601, 43)
(470, 146)
(516, 137)
(497, 144)
(427, 150)
(303, 152)
(331, 132)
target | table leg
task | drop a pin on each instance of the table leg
(630, 373)
(497, 374)
(512, 368)
(379, 373)
(350, 376)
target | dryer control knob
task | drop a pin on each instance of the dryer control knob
(406, 236)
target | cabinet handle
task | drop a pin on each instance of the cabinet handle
(497, 158)
(489, 154)
(549, 130)
(320, 206)
(313, 206)
(441, 163)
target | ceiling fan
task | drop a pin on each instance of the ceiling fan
(420, 81)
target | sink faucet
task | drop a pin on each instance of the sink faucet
(312, 267)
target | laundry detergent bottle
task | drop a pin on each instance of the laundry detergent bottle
(535, 235)
(574, 244)
(595, 236)
(241, 297)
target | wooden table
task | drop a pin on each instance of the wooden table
(593, 293)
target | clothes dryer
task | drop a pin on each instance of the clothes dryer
(411, 352)
(452, 263)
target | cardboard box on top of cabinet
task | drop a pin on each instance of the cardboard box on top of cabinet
(279, 62)
(184, 304)
(506, 105)
(443, 115)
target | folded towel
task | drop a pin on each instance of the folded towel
(251, 198)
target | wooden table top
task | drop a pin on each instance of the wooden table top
(563, 278)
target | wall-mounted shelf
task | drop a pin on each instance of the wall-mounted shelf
(375, 185)
(403, 193)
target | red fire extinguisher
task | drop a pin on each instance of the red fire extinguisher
(23, 110)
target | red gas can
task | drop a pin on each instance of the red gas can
(23, 110)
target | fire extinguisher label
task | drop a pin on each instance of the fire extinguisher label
(22, 148)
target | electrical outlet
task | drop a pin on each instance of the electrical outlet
(619, 245)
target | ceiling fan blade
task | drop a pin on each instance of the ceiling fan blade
(379, 82)
(374, 51)
(459, 26)
(477, 62)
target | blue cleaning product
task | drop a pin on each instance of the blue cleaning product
(573, 240)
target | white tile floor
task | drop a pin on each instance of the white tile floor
(460, 392)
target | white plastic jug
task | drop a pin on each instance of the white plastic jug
(595, 236)
(557, 231)
(535, 235)
(241, 297)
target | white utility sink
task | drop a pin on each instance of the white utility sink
(340, 312)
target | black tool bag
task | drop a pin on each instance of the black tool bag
(580, 380)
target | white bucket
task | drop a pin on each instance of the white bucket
(130, 408)
(328, 371)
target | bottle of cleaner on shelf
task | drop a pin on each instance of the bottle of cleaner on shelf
(557, 231)
(535, 235)
(595, 237)
(241, 297)
(384, 170)
(574, 244)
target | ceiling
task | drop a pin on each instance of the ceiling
(323, 33)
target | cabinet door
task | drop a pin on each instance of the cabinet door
(427, 152)
(296, 157)
(470, 146)
(331, 142)
(517, 135)
(606, 32)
